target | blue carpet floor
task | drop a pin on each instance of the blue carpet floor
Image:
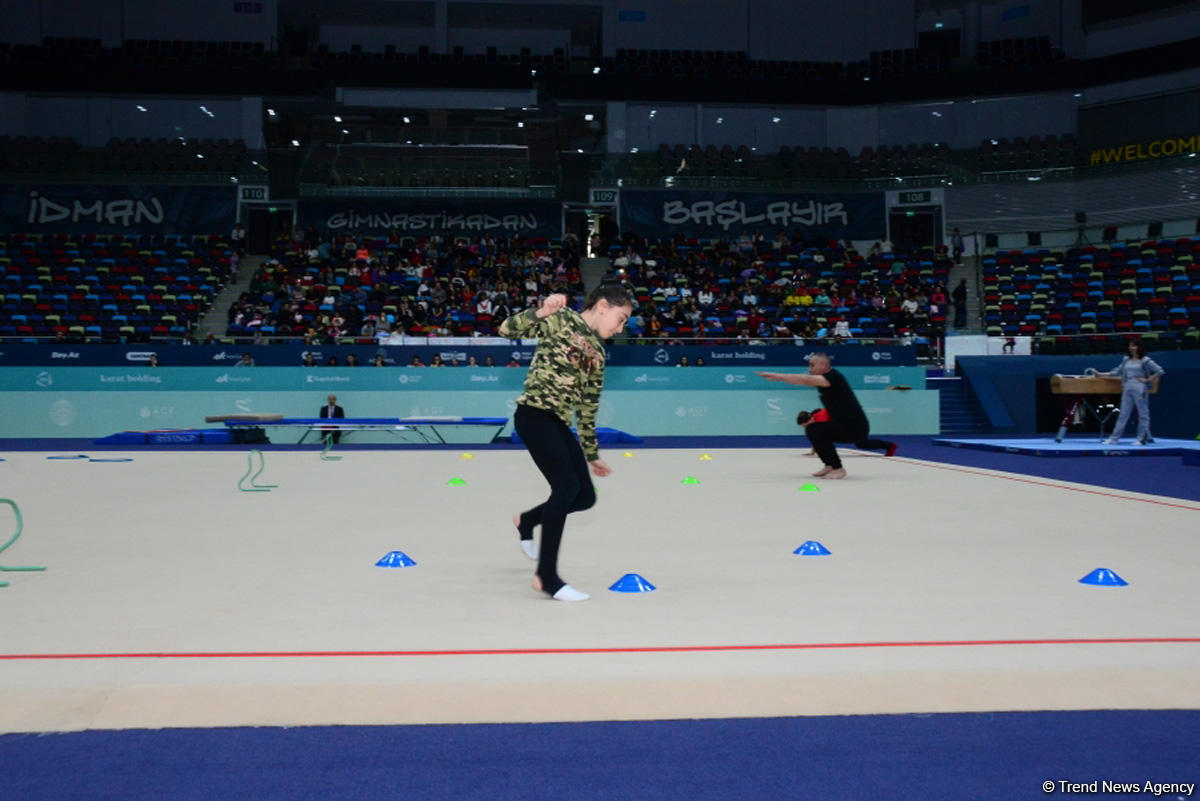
(989, 757)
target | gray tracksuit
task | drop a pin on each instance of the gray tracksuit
(1134, 393)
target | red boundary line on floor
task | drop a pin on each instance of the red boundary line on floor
(942, 466)
(616, 650)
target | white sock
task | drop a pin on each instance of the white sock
(530, 549)
(568, 593)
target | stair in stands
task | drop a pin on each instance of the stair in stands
(958, 414)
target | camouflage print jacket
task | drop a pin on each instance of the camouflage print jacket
(567, 373)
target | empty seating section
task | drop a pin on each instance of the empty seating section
(802, 163)
(418, 166)
(35, 154)
(1034, 153)
(1149, 289)
(97, 287)
(1027, 52)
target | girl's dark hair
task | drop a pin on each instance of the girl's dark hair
(1139, 348)
(615, 294)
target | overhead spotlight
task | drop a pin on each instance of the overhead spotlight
(633, 150)
(589, 117)
(199, 155)
(345, 132)
(520, 125)
(774, 119)
(720, 120)
(233, 179)
(407, 120)
(866, 77)
(141, 108)
(595, 70)
(270, 112)
(295, 143)
(579, 150)
(653, 111)
(937, 113)
(336, 118)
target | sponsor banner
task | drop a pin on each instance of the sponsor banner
(70, 209)
(410, 217)
(742, 378)
(324, 380)
(641, 412)
(521, 352)
(721, 215)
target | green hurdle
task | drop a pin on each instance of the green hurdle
(11, 540)
(253, 487)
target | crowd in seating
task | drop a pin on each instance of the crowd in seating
(109, 287)
(1150, 289)
(345, 287)
(755, 289)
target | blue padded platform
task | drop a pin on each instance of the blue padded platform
(604, 436)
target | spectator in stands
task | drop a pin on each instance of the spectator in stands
(437, 361)
(237, 239)
(488, 361)
(330, 411)
(683, 362)
(246, 361)
(153, 360)
(959, 296)
(956, 245)
(416, 362)
(378, 361)
(308, 360)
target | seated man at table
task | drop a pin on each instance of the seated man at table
(332, 410)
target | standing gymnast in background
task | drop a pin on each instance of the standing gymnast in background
(1137, 372)
(563, 385)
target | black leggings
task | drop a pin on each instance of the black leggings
(824, 437)
(558, 455)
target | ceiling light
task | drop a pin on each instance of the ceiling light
(141, 108)
(774, 119)
(595, 70)
(295, 143)
(589, 117)
(407, 120)
(271, 112)
(346, 132)
(336, 118)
